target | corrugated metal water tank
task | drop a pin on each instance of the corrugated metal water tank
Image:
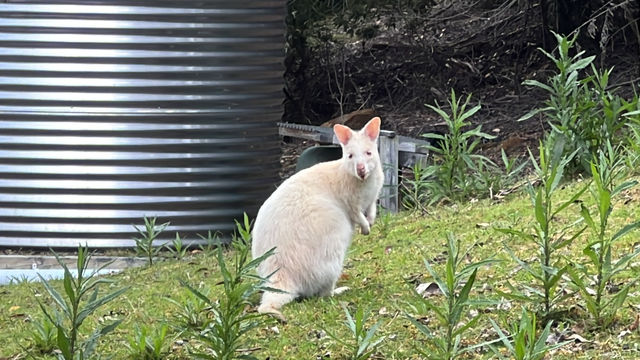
(115, 110)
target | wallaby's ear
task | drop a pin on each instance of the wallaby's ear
(372, 129)
(343, 133)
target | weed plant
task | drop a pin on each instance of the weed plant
(71, 308)
(455, 285)
(457, 172)
(493, 178)
(454, 155)
(190, 314)
(230, 321)
(211, 241)
(415, 191)
(384, 222)
(362, 344)
(548, 235)
(580, 109)
(632, 148)
(18, 280)
(522, 342)
(147, 344)
(43, 336)
(178, 248)
(144, 243)
(565, 106)
(609, 115)
(601, 305)
(632, 138)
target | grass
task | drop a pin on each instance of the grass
(382, 270)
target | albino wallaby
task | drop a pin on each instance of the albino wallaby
(310, 219)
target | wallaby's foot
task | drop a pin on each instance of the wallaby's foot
(340, 290)
(370, 213)
(272, 302)
(275, 313)
(365, 227)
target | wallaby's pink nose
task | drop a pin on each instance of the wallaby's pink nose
(362, 171)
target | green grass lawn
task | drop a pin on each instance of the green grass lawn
(382, 270)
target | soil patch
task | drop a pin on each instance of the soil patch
(486, 51)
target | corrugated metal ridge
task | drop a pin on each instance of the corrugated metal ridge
(115, 110)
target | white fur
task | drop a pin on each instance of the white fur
(310, 219)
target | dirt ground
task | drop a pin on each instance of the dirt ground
(484, 51)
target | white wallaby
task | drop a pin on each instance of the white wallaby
(311, 217)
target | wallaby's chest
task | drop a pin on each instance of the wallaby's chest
(369, 191)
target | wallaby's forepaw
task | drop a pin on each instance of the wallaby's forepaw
(270, 310)
(340, 290)
(370, 220)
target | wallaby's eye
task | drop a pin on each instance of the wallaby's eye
(350, 156)
(369, 153)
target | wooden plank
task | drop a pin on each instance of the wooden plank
(408, 159)
(389, 158)
(319, 136)
(409, 144)
(325, 135)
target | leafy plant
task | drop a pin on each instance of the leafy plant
(149, 345)
(496, 178)
(211, 242)
(363, 344)
(18, 280)
(43, 336)
(178, 248)
(230, 320)
(602, 268)
(632, 159)
(580, 110)
(632, 138)
(191, 314)
(384, 221)
(415, 191)
(608, 117)
(548, 236)
(455, 285)
(564, 108)
(522, 343)
(68, 314)
(144, 243)
(454, 155)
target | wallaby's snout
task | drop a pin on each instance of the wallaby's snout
(361, 170)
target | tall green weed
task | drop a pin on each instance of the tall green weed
(580, 109)
(224, 335)
(549, 236)
(592, 277)
(456, 284)
(522, 341)
(146, 238)
(454, 154)
(73, 307)
(363, 343)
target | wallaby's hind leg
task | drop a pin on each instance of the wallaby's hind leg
(272, 302)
